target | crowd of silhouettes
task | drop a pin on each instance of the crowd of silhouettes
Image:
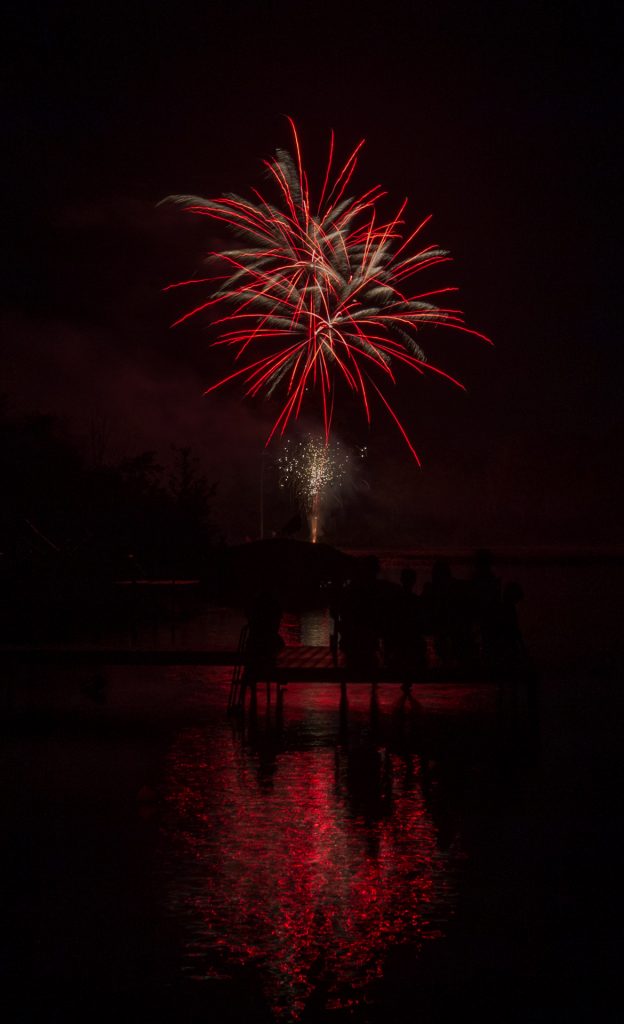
(460, 623)
(457, 624)
(263, 641)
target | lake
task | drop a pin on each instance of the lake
(330, 861)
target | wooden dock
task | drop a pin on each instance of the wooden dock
(294, 665)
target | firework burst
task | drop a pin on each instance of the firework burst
(318, 295)
(314, 469)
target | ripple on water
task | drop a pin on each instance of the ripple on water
(301, 855)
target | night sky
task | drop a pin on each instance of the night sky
(504, 121)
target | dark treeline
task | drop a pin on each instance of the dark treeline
(72, 525)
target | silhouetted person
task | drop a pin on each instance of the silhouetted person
(404, 645)
(485, 597)
(360, 617)
(444, 607)
(263, 639)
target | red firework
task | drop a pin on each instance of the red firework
(317, 292)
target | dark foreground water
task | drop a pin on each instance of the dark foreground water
(385, 859)
(334, 864)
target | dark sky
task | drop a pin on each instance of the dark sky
(504, 121)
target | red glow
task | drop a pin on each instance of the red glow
(326, 281)
(285, 860)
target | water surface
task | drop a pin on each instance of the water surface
(327, 863)
(308, 842)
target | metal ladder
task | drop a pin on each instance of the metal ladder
(236, 698)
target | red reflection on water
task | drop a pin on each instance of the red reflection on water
(310, 871)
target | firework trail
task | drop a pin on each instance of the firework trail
(319, 295)
(315, 470)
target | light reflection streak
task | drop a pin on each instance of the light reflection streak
(311, 877)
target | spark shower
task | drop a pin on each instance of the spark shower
(315, 470)
(319, 297)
